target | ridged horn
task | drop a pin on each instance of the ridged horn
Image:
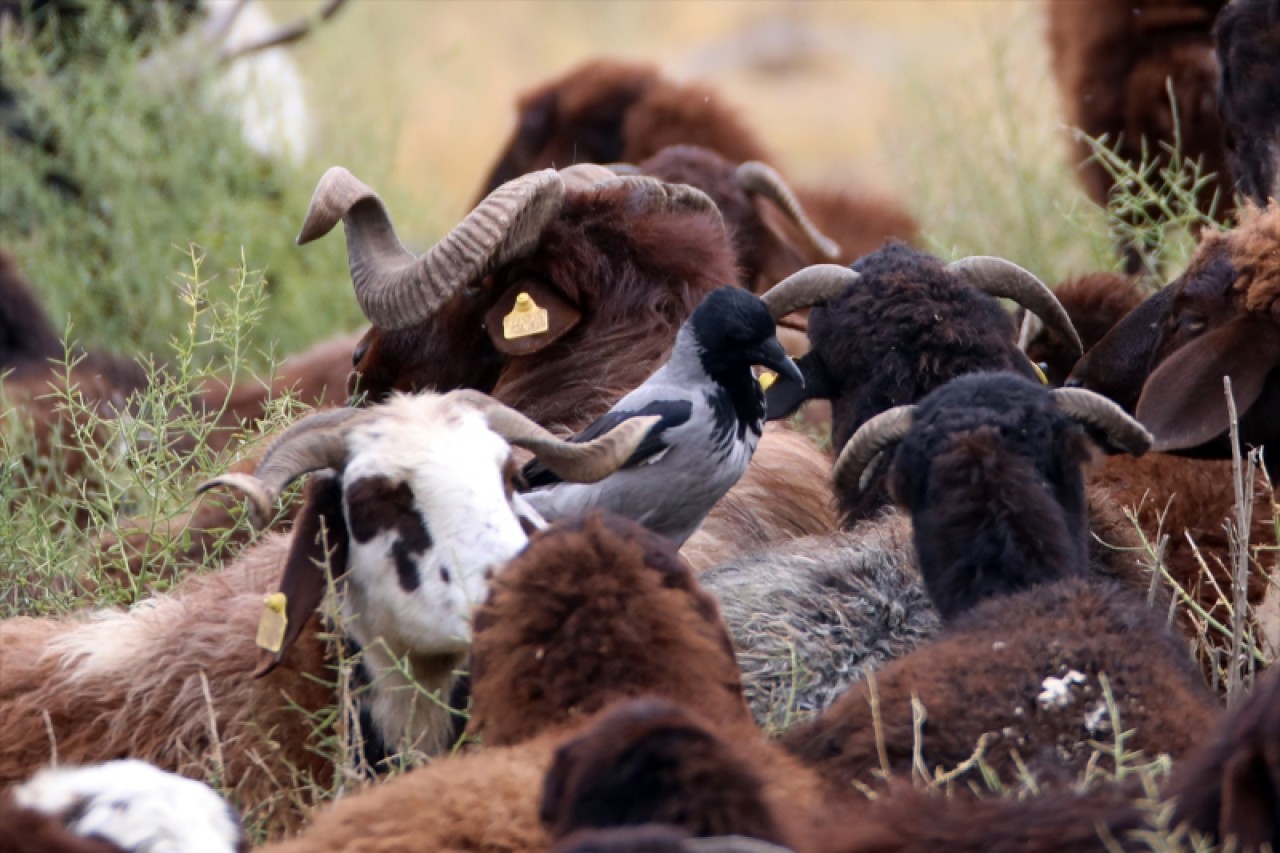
(731, 844)
(578, 462)
(998, 277)
(581, 176)
(808, 287)
(315, 442)
(763, 180)
(664, 197)
(871, 439)
(1094, 410)
(394, 288)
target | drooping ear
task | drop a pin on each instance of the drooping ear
(1182, 401)
(786, 395)
(319, 539)
(523, 326)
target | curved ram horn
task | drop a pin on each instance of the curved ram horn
(1094, 410)
(761, 179)
(998, 277)
(662, 196)
(731, 844)
(871, 439)
(581, 176)
(395, 289)
(315, 442)
(578, 462)
(810, 286)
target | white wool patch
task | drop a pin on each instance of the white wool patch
(136, 807)
(1098, 720)
(1057, 691)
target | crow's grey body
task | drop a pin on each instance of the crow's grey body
(712, 412)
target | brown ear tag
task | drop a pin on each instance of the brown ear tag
(530, 317)
(272, 625)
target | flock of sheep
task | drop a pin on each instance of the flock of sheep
(536, 538)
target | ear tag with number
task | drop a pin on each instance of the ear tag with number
(766, 379)
(272, 625)
(525, 319)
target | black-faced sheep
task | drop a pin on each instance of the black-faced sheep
(421, 512)
(989, 468)
(594, 611)
(1165, 361)
(896, 326)
(1113, 61)
(616, 264)
(605, 111)
(1247, 34)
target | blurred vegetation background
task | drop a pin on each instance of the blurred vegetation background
(947, 104)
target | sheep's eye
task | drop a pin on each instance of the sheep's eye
(1192, 323)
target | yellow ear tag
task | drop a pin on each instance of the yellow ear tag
(766, 379)
(272, 625)
(525, 319)
(1044, 380)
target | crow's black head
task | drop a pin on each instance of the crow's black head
(734, 330)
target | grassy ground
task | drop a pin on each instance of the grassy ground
(182, 249)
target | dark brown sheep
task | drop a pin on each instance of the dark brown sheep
(1095, 303)
(1226, 791)
(989, 467)
(1247, 33)
(606, 110)
(651, 761)
(1113, 59)
(1165, 361)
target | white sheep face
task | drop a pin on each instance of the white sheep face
(430, 517)
(135, 806)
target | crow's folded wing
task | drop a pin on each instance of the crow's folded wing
(673, 414)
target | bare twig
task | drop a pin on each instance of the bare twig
(1242, 469)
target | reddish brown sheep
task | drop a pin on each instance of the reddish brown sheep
(1166, 359)
(606, 110)
(618, 263)
(1095, 303)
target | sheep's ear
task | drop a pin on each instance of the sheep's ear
(319, 540)
(786, 395)
(530, 317)
(1182, 402)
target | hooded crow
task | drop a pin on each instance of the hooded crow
(712, 413)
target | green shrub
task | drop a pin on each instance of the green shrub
(158, 169)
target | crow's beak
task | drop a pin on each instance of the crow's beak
(770, 354)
